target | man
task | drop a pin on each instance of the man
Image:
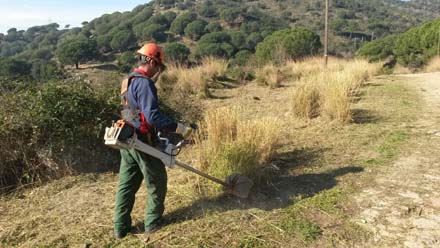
(141, 110)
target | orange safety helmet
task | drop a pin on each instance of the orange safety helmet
(154, 51)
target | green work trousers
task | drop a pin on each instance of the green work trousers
(135, 167)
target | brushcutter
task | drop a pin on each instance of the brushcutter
(121, 135)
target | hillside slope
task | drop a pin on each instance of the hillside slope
(352, 22)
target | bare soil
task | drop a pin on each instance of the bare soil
(401, 206)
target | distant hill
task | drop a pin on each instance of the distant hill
(224, 27)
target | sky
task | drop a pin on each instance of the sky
(22, 14)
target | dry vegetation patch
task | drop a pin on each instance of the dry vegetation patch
(269, 75)
(433, 65)
(329, 92)
(229, 144)
(180, 80)
(306, 205)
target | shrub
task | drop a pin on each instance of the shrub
(153, 32)
(14, 68)
(238, 40)
(241, 58)
(126, 61)
(103, 43)
(213, 27)
(229, 144)
(123, 40)
(176, 52)
(44, 70)
(45, 124)
(42, 53)
(195, 29)
(288, 44)
(216, 37)
(179, 24)
(210, 49)
(208, 10)
(416, 46)
(230, 15)
(378, 49)
(77, 50)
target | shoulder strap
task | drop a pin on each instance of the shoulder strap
(125, 84)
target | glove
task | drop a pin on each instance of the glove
(184, 131)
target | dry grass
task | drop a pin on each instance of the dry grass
(229, 144)
(306, 100)
(399, 69)
(213, 67)
(196, 80)
(77, 211)
(270, 75)
(329, 92)
(433, 65)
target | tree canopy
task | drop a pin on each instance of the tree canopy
(77, 50)
(288, 44)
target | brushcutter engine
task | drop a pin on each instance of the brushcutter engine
(122, 135)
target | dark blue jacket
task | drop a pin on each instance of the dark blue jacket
(142, 93)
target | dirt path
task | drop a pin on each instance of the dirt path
(402, 206)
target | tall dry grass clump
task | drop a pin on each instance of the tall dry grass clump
(229, 144)
(433, 65)
(213, 67)
(305, 100)
(195, 80)
(270, 75)
(329, 92)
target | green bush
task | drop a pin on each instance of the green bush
(288, 44)
(195, 29)
(230, 15)
(208, 10)
(153, 32)
(179, 24)
(43, 70)
(176, 52)
(126, 61)
(238, 40)
(213, 27)
(416, 46)
(14, 68)
(378, 49)
(77, 50)
(123, 40)
(43, 126)
(241, 58)
(216, 37)
(103, 43)
(210, 49)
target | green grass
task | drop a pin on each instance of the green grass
(304, 228)
(389, 148)
(252, 242)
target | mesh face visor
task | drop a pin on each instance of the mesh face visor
(146, 59)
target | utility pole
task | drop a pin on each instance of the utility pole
(326, 34)
(438, 43)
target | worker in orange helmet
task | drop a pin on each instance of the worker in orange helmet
(141, 109)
